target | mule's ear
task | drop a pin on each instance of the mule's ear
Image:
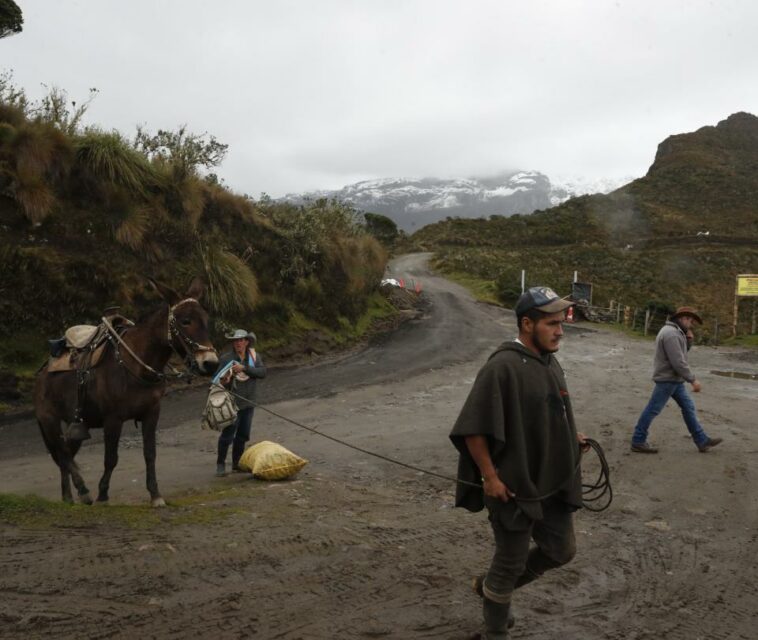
(167, 293)
(196, 289)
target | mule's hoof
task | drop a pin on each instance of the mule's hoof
(85, 498)
(158, 502)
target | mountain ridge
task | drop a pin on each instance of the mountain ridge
(415, 202)
(680, 234)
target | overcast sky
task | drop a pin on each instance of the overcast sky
(322, 93)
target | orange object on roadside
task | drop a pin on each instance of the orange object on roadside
(570, 314)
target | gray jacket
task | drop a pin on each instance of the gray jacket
(670, 363)
(247, 388)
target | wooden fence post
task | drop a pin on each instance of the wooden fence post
(647, 320)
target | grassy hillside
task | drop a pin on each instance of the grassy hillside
(86, 214)
(645, 242)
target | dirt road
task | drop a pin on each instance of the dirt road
(359, 548)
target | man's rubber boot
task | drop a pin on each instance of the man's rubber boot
(477, 585)
(495, 619)
(77, 431)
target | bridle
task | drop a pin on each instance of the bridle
(190, 346)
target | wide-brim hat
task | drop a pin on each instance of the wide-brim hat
(687, 311)
(241, 334)
(542, 298)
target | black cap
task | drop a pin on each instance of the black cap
(542, 298)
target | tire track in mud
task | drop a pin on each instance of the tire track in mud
(383, 572)
(343, 566)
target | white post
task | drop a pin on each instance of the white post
(523, 278)
(576, 276)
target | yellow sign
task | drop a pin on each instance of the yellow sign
(747, 285)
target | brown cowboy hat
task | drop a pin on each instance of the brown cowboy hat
(687, 311)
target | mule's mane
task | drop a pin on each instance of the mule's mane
(146, 315)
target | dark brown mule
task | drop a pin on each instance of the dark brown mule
(124, 386)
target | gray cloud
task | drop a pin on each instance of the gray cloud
(318, 94)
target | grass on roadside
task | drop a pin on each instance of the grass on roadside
(483, 290)
(207, 507)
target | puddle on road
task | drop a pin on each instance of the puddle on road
(736, 374)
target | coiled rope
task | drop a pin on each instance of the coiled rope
(591, 493)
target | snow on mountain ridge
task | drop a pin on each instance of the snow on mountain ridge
(413, 203)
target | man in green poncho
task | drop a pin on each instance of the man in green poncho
(516, 437)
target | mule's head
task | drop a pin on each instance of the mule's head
(187, 327)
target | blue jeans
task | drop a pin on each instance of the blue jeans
(661, 393)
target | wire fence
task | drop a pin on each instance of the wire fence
(647, 321)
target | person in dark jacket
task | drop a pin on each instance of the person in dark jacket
(238, 370)
(519, 455)
(670, 371)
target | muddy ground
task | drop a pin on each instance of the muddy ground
(355, 547)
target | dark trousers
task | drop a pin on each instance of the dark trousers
(236, 434)
(514, 564)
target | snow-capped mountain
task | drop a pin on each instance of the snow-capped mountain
(411, 203)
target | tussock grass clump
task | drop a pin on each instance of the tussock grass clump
(35, 197)
(111, 159)
(228, 210)
(41, 150)
(134, 227)
(232, 289)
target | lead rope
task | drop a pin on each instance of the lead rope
(591, 493)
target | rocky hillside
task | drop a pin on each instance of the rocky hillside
(680, 233)
(412, 204)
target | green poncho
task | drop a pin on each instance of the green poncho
(520, 402)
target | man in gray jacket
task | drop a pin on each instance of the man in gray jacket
(670, 372)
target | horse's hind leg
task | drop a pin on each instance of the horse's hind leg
(76, 476)
(111, 436)
(70, 471)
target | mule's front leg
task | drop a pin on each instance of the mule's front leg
(149, 426)
(111, 436)
(66, 494)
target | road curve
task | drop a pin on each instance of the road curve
(453, 328)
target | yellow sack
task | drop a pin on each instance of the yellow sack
(271, 461)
